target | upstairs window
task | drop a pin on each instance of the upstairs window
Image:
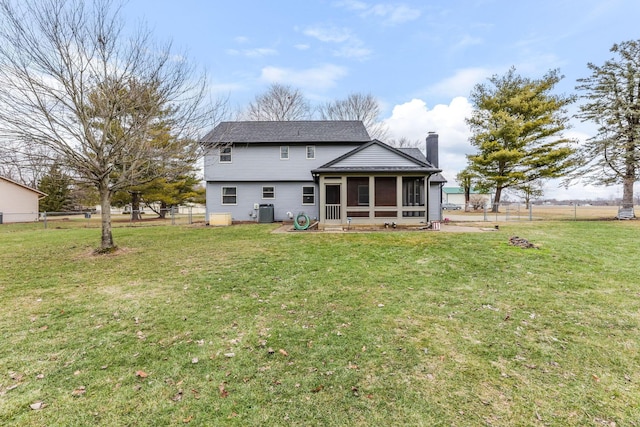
(225, 155)
(284, 152)
(311, 151)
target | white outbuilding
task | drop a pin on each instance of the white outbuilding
(18, 203)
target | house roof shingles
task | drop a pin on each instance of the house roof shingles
(316, 131)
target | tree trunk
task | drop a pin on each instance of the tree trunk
(629, 178)
(496, 200)
(467, 196)
(163, 210)
(106, 243)
(135, 206)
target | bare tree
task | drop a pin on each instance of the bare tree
(279, 103)
(404, 142)
(24, 164)
(72, 84)
(357, 106)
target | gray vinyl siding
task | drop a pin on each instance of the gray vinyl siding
(288, 198)
(261, 162)
(374, 156)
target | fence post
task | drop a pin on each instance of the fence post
(190, 215)
(575, 211)
(173, 215)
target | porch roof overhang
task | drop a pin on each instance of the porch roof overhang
(371, 170)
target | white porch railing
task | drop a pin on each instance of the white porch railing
(332, 212)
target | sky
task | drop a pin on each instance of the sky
(419, 58)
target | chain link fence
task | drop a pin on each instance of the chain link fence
(535, 212)
(92, 219)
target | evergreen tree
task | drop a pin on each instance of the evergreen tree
(612, 101)
(517, 126)
(57, 185)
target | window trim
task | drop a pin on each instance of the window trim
(235, 195)
(222, 153)
(288, 152)
(273, 192)
(307, 195)
(307, 152)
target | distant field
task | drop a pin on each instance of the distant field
(200, 326)
(518, 212)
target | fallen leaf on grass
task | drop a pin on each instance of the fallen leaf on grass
(141, 374)
(318, 389)
(79, 391)
(16, 376)
(223, 392)
(194, 360)
(188, 419)
(595, 378)
(177, 397)
(36, 406)
(283, 352)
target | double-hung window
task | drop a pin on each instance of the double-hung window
(225, 154)
(284, 152)
(311, 151)
(268, 192)
(308, 195)
(229, 196)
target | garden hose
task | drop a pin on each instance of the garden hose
(303, 226)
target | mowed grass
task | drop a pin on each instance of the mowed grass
(240, 326)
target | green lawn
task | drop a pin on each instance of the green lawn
(240, 326)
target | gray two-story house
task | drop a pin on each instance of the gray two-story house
(331, 171)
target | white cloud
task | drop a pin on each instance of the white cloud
(329, 34)
(391, 13)
(311, 78)
(413, 120)
(461, 83)
(394, 14)
(253, 53)
(466, 41)
(302, 46)
(350, 46)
